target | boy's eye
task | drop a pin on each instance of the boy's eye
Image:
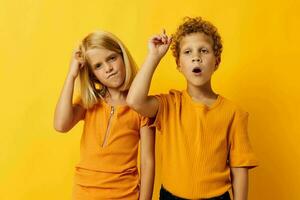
(187, 52)
(204, 51)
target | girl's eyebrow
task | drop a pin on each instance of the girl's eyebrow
(107, 58)
(110, 55)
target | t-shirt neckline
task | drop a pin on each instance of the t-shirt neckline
(199, 104)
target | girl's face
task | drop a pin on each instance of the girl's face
(108, 67)
(197, 61)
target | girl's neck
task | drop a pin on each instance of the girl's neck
(201, 93)
(115, 97)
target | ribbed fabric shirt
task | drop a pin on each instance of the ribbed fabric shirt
(200, 144)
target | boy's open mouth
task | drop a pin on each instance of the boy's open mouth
(197, 70)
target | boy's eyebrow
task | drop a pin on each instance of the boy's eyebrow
(185, 48)
(188, 48)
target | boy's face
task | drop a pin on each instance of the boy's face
(197, 61)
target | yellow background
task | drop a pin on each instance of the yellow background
(259, 70)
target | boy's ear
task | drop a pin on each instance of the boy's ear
(178, 65)
(178, 68)
(218, 60)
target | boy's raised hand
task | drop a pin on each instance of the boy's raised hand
(159, 45)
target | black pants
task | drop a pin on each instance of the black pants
(165, 195)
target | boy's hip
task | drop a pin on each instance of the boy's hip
(166, 195)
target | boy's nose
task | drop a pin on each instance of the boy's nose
(196, 59)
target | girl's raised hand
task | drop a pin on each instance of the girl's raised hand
(159, 45)
(77, 62)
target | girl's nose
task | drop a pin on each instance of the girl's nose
(108, 68)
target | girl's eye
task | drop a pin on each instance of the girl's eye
(187, 52)
(97, 66)
(113, 58)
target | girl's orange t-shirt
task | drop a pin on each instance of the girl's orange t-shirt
(108, 153)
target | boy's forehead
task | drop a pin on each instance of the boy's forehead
(196, 38)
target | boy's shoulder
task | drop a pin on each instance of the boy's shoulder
(232, 106)
(172, 95)
(172, 98)
(174, 92)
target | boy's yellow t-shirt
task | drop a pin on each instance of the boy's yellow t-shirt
(200, 144)
(109, 171)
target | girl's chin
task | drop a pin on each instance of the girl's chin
(114, 87)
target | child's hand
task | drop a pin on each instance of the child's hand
(159, 45)
(76, 64)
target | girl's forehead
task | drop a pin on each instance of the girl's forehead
(98, 52)
(97, 55)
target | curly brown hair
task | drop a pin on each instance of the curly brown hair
(196, 25)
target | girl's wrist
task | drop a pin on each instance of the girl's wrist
(71, 77)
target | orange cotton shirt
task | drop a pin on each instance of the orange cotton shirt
(200, 144)
(109, 171)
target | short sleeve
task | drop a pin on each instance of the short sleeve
(241, 153)
(77, 102)
(162, 109)
(145, 121)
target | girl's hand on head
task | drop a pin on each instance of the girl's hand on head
(77, 62)
(159, 45)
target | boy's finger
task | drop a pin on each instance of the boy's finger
(156, 37)
(166, 38)
(170, 39)
(163, 39)
(164, 33)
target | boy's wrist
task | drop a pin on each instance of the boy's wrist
(153, 58)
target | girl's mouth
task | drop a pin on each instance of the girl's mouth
(112, 74)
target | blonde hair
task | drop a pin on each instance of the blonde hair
(90, 87)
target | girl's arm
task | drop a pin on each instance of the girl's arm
(239, 177)
(66, 114)
(137, 97)
(147, 162)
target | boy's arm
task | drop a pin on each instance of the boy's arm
(137, 97)
(239, 176)
(147, 162)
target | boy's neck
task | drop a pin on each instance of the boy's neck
(201, 93)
